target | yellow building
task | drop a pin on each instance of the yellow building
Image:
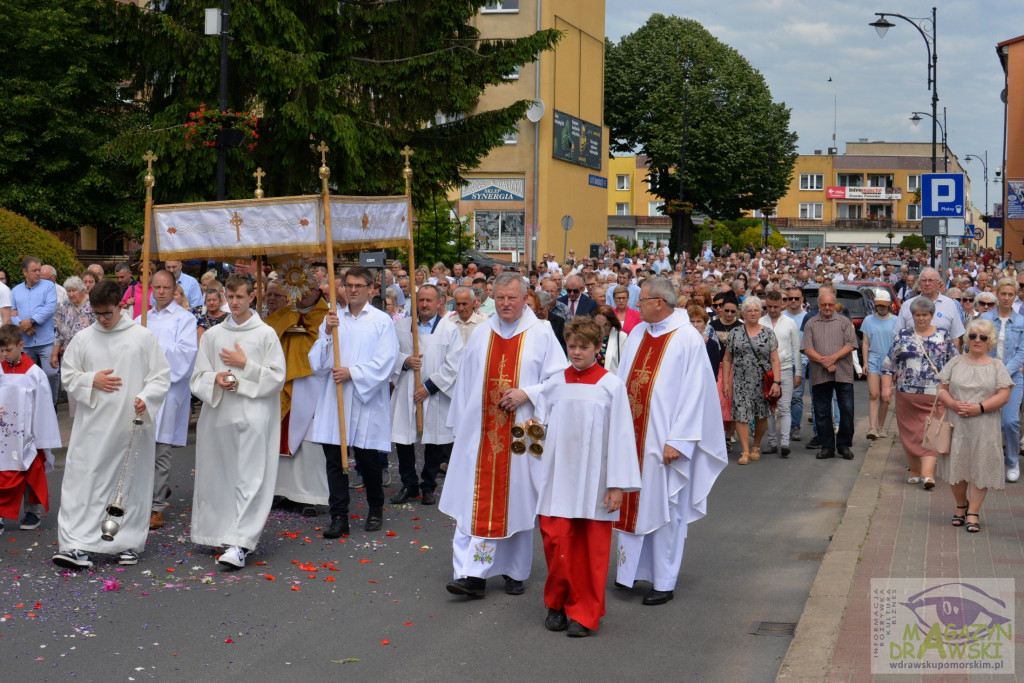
(633, 212)
(557, 164)
(861, 196)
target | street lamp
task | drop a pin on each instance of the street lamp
(984, 166)
(679, 233)
(916, 120)
(217, 24)
(882, 25)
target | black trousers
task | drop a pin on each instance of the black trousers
(337, 481)
(433, 455)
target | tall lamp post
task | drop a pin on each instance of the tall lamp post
(915, 118)
(927, 28)
(217, 25)
(984, 166)
(677, 230)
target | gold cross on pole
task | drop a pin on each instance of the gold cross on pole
(407, 152)
(323, 149)
(237, 221)
(259, 175)
(149, 158)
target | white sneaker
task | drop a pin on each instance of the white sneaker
(233, 556)
(127, 558)
(872, 433)
(1013, 473)
(72, 559)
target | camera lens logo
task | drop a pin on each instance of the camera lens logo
(964, 612)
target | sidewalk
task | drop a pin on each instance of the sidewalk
(892, 529)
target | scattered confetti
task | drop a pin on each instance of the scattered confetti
(408, 623)
(385, 642)
(270, 577)
(228, 640)
(295, 588)
(329, 578)
(391, 533)
(365, 561)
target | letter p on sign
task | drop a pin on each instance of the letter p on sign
(942, 195)
(943, 192)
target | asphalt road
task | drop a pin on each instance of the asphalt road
(374, 606)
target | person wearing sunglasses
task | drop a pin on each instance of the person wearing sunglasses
(974, 387)
(576, 302)
(1009, 349)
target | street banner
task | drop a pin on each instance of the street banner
(1015, 199)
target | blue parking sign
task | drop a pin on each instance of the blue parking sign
(942, 195)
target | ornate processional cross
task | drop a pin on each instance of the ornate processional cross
(237, 221)
(407, 152)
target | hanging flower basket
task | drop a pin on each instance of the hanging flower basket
(205, 125)
(674, 206)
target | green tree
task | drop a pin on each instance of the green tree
(438, 235)
(60, 109)
(20, 237)
(662, 87)
(367, 77)
(913, 241)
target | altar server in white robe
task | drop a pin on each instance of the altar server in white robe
(488, 490)
(28, 432)
(116, 371)
(369, 347)
(440, 354)
(680, 440)
(239, 373)
(175, 330)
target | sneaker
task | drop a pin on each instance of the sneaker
(354, 480)
(30, 521)
(233, 556)
(880, 433)
(813, 443)
(794, 434)
(872, 434)
(385, 477)
(72, 559)
(768, 449)
(1013, 473)
(127, 558)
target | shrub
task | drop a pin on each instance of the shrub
(913, 242)
(20, 237)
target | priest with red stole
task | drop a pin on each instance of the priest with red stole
(680, 441)
(28, 430)
(488, 489)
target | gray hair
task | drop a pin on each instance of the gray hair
(929, 271)
(391, 295)
(662, 288)
(544, 299)
(953, 291)
(74, 282)
(922, 303)
(750, 302)
(509, 278)
(479, 293)
(464, 288)
(120, 267)
(987, 297)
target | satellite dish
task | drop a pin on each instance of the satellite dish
(536, 111)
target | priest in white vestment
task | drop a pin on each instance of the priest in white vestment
(175, 330)
(300, 470)
(440, 347)
(116, 371)
(680, 440)
(28, 432)
(489, 490)
(238, 376)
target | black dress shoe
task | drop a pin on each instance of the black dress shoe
(825, 454)
(428, 498)
(814, 443)
(784, 453)
(338, 528)
(513, 586)
(556, 620)
(845, 452)
(577, 630)
(374, 520)
(470, 586)
(403, 495)
(656, 597)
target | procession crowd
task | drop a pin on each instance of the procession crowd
(567, 378)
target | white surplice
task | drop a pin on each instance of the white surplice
(238, 435)
(175, 330)
(685, 413)
(28, 421)
(369, 347)
(541, 358)
(101, 432)
(301, 477)
(442, 354)
(589, 448)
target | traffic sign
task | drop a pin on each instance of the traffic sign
(942, 194)
(969, 230)
(979, 234)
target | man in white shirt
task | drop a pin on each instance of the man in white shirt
(465, 316)
(193, 292)
(50, 273)
(790, 367)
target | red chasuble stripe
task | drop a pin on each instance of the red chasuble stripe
(640, 388)
(494, 460)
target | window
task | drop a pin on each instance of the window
(622, 181)
(758, 213)
(655, 208)
(500, 230)
(500, 6)
(880, 211)
(513, 137)
(913, 211)
(811, 210)
(881, 180)
(812, 181)
(913, 183)
(512, 75)
(851, 211)
(850, 180)
(621, 208)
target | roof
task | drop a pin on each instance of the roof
(1001, 53)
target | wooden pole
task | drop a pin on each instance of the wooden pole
(407, 174)
(325, 173)
(259, 286)
(147, 223)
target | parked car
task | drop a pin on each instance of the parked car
(484, 263)
(873, 287)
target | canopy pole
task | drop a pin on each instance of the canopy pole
(407, 174)
(147, 223)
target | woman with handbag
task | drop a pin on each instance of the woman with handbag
(752, 356)
(974, 387)
(914, 362)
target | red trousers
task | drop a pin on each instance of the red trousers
(13, 483)
(576, 551)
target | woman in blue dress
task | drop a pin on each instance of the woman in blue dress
(878, 331)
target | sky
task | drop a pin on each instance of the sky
(797, 45)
